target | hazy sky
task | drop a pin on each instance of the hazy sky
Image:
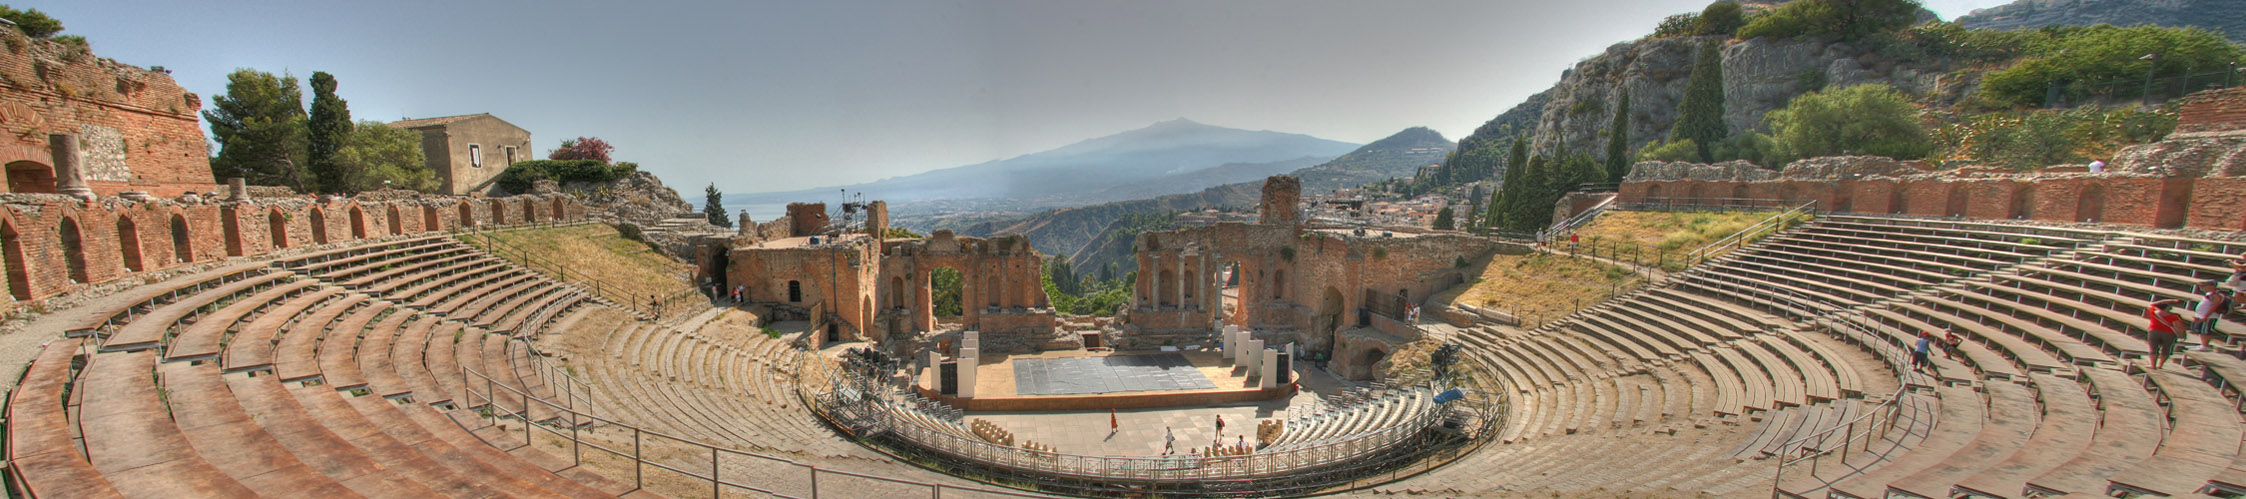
(771, 96)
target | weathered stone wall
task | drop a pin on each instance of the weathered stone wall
(1282, 200)
(51, 244)
(2213, 111)
(137, 128)
(2117, 199)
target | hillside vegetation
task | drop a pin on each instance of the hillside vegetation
(1536, 285)
(629, 271)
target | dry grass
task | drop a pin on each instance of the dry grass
(1536, 284)
(629, 270)
(1673, 233)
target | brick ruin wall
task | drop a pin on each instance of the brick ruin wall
(137, 129)
(54, 245)
(2217, 203)
(878, 287)
(2213, 111)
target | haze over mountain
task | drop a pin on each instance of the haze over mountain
(1100, 234)
(1162, 158)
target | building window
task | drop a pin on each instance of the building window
(510, 155)
(475, 155)
(795, 291)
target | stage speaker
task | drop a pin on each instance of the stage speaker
(949, 384)
(1286, 370)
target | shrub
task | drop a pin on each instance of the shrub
(1721, 18)
(1873, 119)
(1685, 24)
(520, 176)
(2105, 60)
(1843, 19)
(1678, 150)
(32, 22)
(2025, 140)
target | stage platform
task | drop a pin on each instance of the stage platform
(1084, 380)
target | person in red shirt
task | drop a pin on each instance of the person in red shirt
(2165, 325)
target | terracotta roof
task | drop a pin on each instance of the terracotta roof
(429, 122)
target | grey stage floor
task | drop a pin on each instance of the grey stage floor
(1118, 373)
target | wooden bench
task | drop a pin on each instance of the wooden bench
(2128, 435)
(146, 296)
(40, 445)
(201, 340)
(2062, 433)
(148, 331)
(252, 347)
(222, 433)
(339, 346)
(2201, 442)
(130, 437)
(2011, 421)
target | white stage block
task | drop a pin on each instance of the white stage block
(1270, 369)
(967, 372)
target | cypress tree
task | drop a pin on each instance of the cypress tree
(1444, 220)
(713, 207)
(1473, 207)
(1618, 138)
(329, 127)
(1700, 113)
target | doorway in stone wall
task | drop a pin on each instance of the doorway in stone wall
(1367, 365)
(1329, 320)
(1227, 276)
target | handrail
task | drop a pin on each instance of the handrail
(1581, 218)
(718, 484)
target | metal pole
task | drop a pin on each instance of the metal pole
(637, 463)
(2149, 70)
(715, 492)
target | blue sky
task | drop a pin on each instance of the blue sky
(769, 96)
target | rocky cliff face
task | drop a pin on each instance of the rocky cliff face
(2222, 16)
(638, 198)
(1760, 75)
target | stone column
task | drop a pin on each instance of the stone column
(69, 179)
(238, 189)
(1270, 368)
(746, 226)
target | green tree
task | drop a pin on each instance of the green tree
(1700, 112)
(386, 158)
(944, 288)
(1444, 220)
(325, 134)
(1873, 119)
(1618, 135)
(713, 207)
(259, 126)
(1473, 208)
(1721, 18)
(2108, 60)
(32, 21)
(1843, 19)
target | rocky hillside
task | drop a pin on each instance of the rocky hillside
(1760, 75)
(2222, 16)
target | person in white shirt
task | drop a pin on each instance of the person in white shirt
(2097, 166)
(2213, 303)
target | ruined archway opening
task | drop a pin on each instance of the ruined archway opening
(467, 215)
(319, 226)
(358, 223)
(795, 291)
(19, 273)
(128, 244)
(26, 177)
(1227, 276)
(897, 296)
(944, 287)
(1165, 280)
(1279, 284)
(397, 223)
(277, 226)
(1368, 366)
(1329, 319)
(73, 250)
(183, 248)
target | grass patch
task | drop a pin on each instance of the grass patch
(1536, 284)
(1674, 233)
(629, 271)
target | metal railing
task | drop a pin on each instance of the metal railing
(578, 443)
(625, 296)
(1752, 233)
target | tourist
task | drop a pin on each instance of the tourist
(1169, 441)
(2213, 303)
(2237, 279)
(2164, 325)
(1950, 343)
(1242, 447)
(738, 290)
(1112, 425)
(1919, 351)
(2097, 166)
(1220, 426)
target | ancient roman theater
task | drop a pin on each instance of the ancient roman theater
(180, 336)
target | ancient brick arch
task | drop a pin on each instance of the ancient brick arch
(30, 177)
(429, 219)
(319, 225)
(498, 212)
(19, 271)
(73, 243)
(183, 246)
(358, 222)
(128, 244)
(467, 214)
(396, 223)
(529, 214)
(557, 209)
(277, 228)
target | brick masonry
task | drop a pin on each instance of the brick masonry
(2213, 111)
(137, 129)
(2166, 202)
(51, 244)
